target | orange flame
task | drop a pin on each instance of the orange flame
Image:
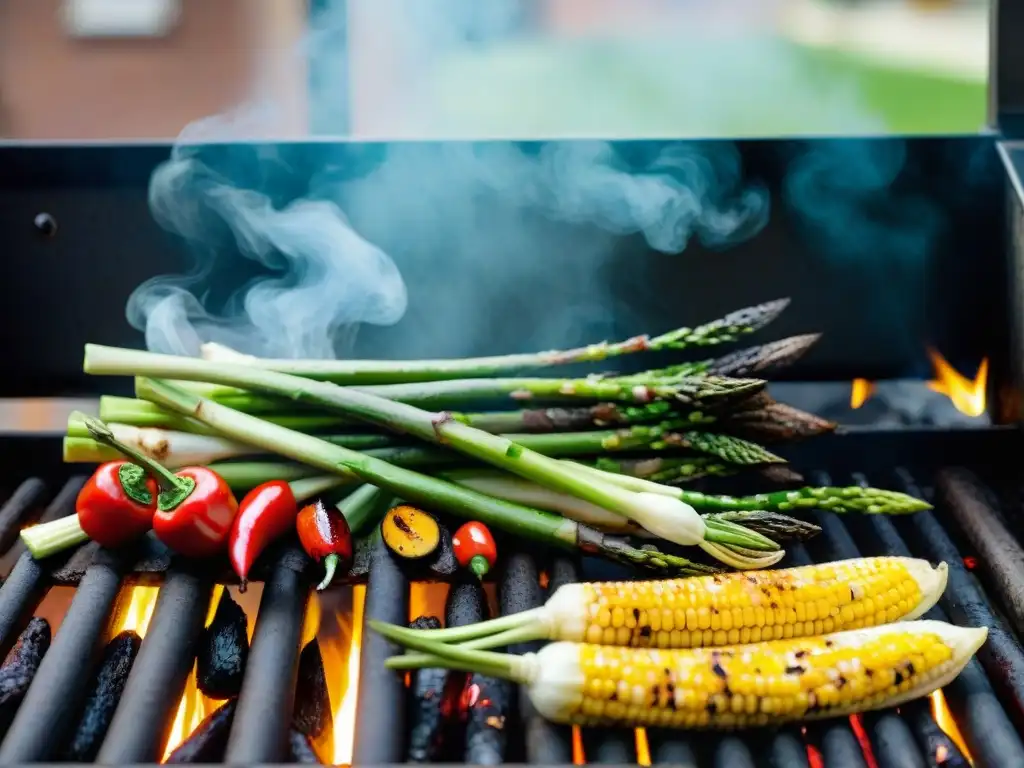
(944, 719)
(860, 392)
(643, 747)
(193, 707)
(968, 396)
(579, 757)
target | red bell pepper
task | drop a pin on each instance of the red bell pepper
(325, 535)
(194, 508)
(267, 512)
(194, 514)
(474, 548)
(116, 504)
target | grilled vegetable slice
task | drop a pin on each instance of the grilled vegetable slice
(410, 533)
(724, 688)
(223, 651)
(724, 609)
(107, 687)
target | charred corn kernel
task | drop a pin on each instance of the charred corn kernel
(741, 686)
(746, 607)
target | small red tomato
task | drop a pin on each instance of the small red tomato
(474, 548)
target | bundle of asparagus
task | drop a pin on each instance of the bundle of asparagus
(593, 461)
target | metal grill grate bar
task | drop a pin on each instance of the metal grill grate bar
(990, 735)
(380, 716)
(17, 509)
(966, 604)
(893, 744)
(264, 711)
(1000, 557)
(547, 743)
(145, 713)
(52, 702)
(519, 590)
(26, 585)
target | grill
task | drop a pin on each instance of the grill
(58, 202)
(972, 529)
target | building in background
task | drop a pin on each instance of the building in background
(136, 69)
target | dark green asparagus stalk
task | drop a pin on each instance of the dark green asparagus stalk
(773, 525)
(666, 469)
(776, 422)
(545, 528)
(752, 361)
(694, 391)
(871, 501)
(358, 372)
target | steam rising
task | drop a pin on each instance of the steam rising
(330, 257)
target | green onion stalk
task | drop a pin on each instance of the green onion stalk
(724, 330)
(518, 520)
(660, 514)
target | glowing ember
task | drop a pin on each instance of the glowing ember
(944, 719)
(857, 725)
(970, 563)
(643, 748)
(579, 757)
(968, 396)
(860, 391)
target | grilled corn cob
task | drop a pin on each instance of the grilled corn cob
(760, 684)
(718, 610)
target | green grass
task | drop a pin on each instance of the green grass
(752, 87)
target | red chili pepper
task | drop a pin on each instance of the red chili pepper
(117, 503)
(194, 508)
(325, 535)
(267, 512)
(474, 548)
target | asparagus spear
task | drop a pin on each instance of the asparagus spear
(710, 392)
(543, 527)
(673, 522)
(726, 329)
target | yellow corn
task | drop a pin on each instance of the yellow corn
(743, 686)
(747, 607)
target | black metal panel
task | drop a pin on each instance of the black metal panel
(1006, 67)
(892, 219)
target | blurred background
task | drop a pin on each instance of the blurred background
(137, 69)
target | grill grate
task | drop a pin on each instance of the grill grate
(987, 700)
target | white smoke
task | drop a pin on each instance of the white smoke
(338, 253)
